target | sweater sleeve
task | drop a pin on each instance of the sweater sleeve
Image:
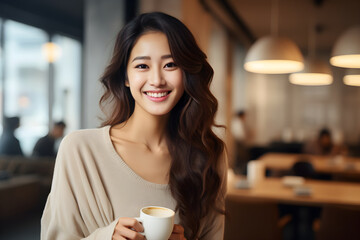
(214, 225)
(74, 210)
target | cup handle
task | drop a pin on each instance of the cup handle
(140, 221)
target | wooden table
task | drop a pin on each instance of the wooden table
(323, 192)
(322, 164)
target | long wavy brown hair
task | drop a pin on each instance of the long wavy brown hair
(194, 148)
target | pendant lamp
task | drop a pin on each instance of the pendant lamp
(352, 77)
(315, 73)
(273, 54)
(346, 51)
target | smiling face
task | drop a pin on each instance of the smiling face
(155, 81)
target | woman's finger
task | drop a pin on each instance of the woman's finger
(128, 228)
(178, 233)
(131, 223)
(118, 237)
(176, 236)
(178, 229)
(127, 233)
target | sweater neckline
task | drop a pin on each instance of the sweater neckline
(117, 157)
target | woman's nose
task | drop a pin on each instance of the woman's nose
(156, 78)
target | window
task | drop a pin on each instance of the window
(37, 91)
(67, 75)
(1, 73)
(25, 83)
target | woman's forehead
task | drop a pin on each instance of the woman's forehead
(150, 45)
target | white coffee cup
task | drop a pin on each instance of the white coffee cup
(158, 222)
(255, 172)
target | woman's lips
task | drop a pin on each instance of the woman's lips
(157, 96)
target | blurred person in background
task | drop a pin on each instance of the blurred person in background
(9, 144)
(47, 145)
(324, 145)
(241, 135)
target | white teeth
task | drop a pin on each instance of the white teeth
(156, 95)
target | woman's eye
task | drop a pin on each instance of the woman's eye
(170, 65)
(141, 66)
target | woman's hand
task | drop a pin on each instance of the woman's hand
(128, 228)
(178, 233)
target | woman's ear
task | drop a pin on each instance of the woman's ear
(127, 83)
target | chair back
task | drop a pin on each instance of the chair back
(339, 223)
(303, 169)
(256, 220)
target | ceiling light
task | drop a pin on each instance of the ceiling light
(274, 55)
(346, 51)
(316, 73)
(51, 51)
(352, 77)
(311, 79)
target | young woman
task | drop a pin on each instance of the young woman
(156, 146)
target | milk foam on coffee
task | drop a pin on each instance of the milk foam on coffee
(157, 212)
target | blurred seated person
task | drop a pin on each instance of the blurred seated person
(324, 145)
(241, 135)
(46, 146)
(9, 144)
(303, 168)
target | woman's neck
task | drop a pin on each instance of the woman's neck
(146, 129)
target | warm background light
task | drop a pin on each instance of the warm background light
(352, 80)
(24, 102)
(315, 73)
(352, 77)
(273, 66)
(51, 51)
(349, 61)
(311, 79)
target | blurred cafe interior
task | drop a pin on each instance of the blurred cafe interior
(287, 79)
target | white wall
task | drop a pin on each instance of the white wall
(279, 110)
(217, 59)
(240, 82)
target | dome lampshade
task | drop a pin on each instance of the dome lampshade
(346, 51)
(315, 73)
(352, 77)
(274, 55)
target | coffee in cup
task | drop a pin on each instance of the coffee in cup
(158, 222)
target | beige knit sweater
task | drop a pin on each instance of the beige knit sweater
(92, 187)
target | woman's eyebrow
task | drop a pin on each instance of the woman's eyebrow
(166, 56)
(149, 58)
(141, 57)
